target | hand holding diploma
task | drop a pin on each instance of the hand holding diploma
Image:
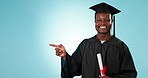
(100, 64)
(60, 50)
(102, 68)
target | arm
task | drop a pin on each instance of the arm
(127, 68)
(70, 65)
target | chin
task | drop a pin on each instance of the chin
(103, 32)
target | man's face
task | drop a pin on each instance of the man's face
(103, 23)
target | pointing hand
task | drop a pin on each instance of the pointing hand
(60, 50)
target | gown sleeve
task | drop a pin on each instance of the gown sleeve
(73, 64)
(127, 69)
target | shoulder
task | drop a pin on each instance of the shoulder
(120, 44)
(90, 40)
(116, 42)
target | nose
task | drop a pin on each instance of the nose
(102, 23)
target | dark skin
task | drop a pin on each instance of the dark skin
(102, 24)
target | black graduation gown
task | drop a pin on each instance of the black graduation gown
(115, 54)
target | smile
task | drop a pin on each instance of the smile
(103, 27)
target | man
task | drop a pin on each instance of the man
(117, 60)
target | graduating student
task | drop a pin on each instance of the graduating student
(116, 58)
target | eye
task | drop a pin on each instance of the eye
(108, 20)
(98, 20)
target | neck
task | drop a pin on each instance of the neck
(104, 37)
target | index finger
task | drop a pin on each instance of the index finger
(53, 45)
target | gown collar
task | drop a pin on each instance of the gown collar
(112, 41)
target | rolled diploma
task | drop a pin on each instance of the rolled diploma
(100, 63)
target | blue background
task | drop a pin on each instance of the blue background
(28, 26)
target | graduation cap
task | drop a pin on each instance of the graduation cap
(106, 8)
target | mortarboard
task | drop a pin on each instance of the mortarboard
(106, 8)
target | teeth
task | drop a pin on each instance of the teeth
(102, 27)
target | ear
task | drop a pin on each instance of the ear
(112, 18)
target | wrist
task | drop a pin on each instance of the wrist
(64, 57)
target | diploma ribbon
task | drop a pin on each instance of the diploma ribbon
(104, 70)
